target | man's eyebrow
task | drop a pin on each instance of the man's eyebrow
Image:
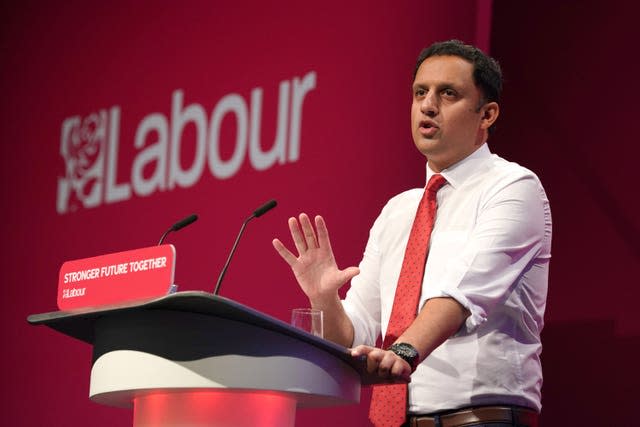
(439, 85)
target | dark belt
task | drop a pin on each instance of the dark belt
(482, 414)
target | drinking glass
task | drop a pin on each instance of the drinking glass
(309, 320)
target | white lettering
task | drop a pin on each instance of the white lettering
(195, 114)
(300, 90)
(78, 276)
(148, 264)
(73, 292)
(232, 103)
(154, 153)
(159, 164)
(261, 160)
(114, 270)
(114, 192)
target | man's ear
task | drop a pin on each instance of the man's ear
(490, 112)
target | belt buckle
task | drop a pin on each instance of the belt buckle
(423, 421)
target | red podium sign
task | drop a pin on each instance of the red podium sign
(115, 278)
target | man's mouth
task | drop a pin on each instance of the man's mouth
(428, 128)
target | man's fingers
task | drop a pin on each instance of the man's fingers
(386, 364)
(308, 231)
(374, 356)
(401, 369)
(323, 233)
(362, 350)
(373, 361)
(349, 273)
(284, 252)
(296, 235)
(383, 363)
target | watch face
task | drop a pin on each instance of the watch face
(406, 352)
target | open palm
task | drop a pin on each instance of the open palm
(315, 267)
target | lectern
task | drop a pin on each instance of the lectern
(195, 359)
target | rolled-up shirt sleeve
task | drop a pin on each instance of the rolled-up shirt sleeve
(482, 267)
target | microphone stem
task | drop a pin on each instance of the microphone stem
(233, 250)
(164, 235)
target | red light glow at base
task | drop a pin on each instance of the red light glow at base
(214, 408)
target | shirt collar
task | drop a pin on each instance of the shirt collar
(456, 174)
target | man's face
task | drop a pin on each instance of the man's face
(448, 122)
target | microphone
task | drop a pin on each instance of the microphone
(257, 213)
(265, 208)
(178, 226)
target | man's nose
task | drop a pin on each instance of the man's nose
(429, 105)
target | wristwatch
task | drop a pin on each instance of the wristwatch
(407, 352)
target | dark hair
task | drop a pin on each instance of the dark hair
(486, 70)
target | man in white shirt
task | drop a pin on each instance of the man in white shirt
(472, 352)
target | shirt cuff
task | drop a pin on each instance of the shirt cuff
(477, 314)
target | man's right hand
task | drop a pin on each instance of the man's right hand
(315, 267)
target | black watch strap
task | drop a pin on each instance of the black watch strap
(407, 352)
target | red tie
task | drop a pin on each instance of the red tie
(389, 401)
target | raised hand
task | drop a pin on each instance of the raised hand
(315, 267)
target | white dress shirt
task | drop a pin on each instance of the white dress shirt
(490, 250)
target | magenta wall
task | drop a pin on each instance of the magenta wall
(142, 68)
(570, 113)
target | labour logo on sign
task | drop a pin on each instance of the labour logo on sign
(82, 146)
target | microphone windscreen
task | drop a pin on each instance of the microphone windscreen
(183, 223)
(265, 208)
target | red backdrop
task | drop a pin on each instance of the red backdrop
(79, 81)
(568, 112)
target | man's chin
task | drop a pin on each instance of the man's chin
(427, 145)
